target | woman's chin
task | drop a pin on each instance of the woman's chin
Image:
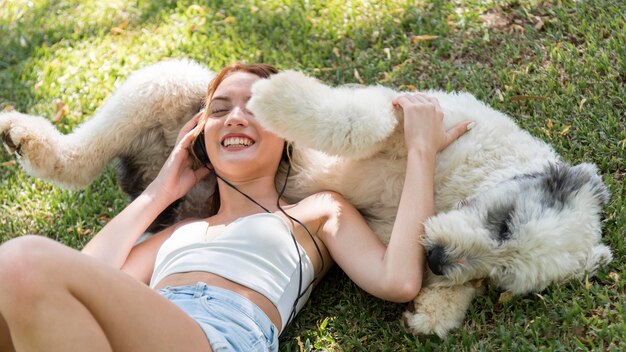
(236, 163)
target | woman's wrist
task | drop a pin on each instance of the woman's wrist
(157, 196)
(421, 154)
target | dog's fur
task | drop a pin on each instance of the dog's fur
(508, 208)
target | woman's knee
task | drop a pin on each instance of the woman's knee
(26, 264)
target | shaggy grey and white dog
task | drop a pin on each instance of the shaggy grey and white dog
(508, 208)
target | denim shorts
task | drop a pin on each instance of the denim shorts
(230, 321)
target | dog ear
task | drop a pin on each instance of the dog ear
(562, 181)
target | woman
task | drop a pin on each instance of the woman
(232, 281)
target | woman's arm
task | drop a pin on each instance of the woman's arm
(114, 242)
(395, 272)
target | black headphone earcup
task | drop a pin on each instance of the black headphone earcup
(287, 152)
(199, 149)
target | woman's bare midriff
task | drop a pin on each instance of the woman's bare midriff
(191, 278)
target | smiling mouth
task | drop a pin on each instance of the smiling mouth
(237, 142)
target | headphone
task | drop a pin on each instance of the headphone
(198, 149)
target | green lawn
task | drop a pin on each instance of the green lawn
(556, 66)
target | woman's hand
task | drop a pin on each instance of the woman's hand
(423, 124)
(177, 175)
(115, 241)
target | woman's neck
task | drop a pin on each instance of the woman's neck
(234, 204)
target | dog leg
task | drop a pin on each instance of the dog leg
(600, 256)
(343, 121)
(439, 309)
(152, 104)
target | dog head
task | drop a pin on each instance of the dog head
(524, 233)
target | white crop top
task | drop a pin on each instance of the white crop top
(256, 251)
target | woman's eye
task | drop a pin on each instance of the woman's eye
(218, 111)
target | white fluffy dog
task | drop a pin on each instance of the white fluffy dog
(508, 209)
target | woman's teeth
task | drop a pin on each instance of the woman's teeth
(237, 142)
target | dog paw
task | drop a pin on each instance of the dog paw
(426, 324)
(428, 314)
(32, 139)
(437, 310)
(13, 135)
(600, 256)
(9, 144)
(17, 132)
(5, 124)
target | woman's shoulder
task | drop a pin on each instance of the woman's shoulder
(325, 203)
(330, 197)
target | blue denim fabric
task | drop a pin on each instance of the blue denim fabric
(230, 321)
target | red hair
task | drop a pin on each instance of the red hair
(261, 70)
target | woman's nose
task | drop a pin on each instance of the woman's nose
(237, 116)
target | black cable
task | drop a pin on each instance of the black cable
(319, 251)
(301, 293)
(243, 194)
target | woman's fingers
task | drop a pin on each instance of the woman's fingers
(186, 139)
(399, 100)
(190, 126)
(181, 149)
(417, 98)
(457, 131)
(193, 121)
(424, 122)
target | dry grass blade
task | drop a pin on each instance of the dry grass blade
(422, 38)
(120, 28)
(61, 111)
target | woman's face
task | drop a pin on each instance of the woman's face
(237, 145)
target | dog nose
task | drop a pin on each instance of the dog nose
(436, 259)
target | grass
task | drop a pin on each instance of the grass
(557, 67)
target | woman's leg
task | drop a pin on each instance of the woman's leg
(5, 338)
(55, 298)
